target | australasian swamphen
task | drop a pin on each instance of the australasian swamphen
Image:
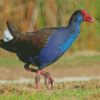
(45, 46)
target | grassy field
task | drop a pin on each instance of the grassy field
(88, 90)
(9, 61)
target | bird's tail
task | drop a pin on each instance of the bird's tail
(15, 33)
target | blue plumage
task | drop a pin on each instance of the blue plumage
(58, 44)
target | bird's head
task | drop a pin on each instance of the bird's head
(79, 16)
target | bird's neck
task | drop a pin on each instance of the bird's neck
(73, 32)
(74, 26)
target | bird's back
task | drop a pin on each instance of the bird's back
(30, 43)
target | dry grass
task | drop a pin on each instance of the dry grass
(92, 86)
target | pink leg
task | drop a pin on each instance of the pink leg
(50, 79)
(37, 77)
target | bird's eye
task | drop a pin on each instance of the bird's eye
(82, 14)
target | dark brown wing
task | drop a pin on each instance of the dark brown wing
(31, 43)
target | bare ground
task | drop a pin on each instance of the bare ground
(77, 68)
(20, 72)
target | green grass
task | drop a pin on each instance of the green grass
(9, 61)
(73, 93)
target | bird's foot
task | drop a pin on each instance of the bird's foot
(48, 77)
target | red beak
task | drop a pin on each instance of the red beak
(87, 17)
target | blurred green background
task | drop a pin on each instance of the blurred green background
(32, 15)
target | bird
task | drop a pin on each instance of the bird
(45, 46)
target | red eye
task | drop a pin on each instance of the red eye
(82, 14)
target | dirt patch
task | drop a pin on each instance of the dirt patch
(67, 98)
(85, 53)
(93, 97)
(20, 72)
(67, 66)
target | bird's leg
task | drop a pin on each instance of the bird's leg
(50, 79)
(26, 66)
(37, 77)
(46, 76)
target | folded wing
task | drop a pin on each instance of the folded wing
(31, 43)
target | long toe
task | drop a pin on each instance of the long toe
(52, 82)
(45, 82)
(37, 79)
(48, 77)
